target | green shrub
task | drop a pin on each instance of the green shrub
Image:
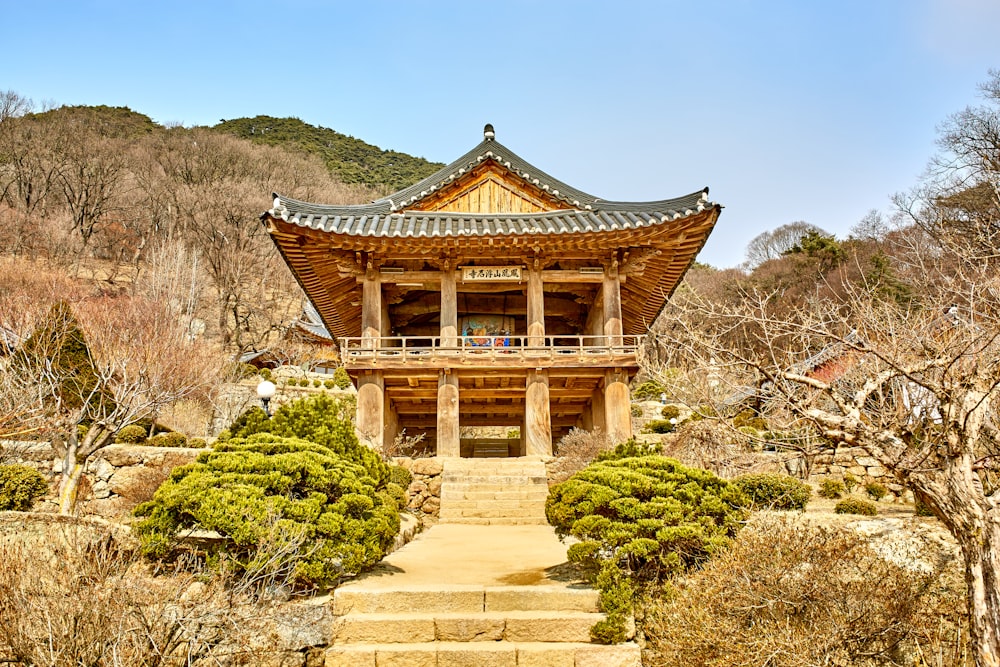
(640, 520)
(329, 384)
(649, 390)
(670, 412)
(850, 482)
(771, 491)
(318, 418)
(856, 506)
(920, 508)
(169, 439)
(831, 488)
(20, 487)
(341, 378)
(198, 443)
(400, 476)
(876, 491)
(317, 383)
(636, 410)
(264, 373)
(133, 434)
(750, 419)
(630, 449)
(320, 513)
(659, 426)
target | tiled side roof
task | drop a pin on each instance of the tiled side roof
(427, 224)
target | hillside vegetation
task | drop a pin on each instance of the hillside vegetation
(349, 159)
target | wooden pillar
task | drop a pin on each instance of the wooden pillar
(371, 408)
(611, 295)
(522, 446)
(617, 406)
(391, 424)
(449, 307)
(536, 308)
(448, 433)
(537, 414)
(598, 416)
(371, 310)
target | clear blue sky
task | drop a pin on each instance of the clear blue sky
(792, 110)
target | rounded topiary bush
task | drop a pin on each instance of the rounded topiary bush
(281, 502)
(876, 490)
(831, 488)
(168, 439)
(133, 434)
(400, 476)
(20, 487)
(772, 491)
(318, 418)
(329, 384)
(659, 426)
(856, 506)
(341, 378)
(640, 520)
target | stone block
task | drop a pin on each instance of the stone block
(866, 461)
(434, 486)
(540, 598)
(624, 655)
(553, 627)
(857, 471)
(545, 655)
(406, 655)
(431, 506)
(429, 467)
(875, 471)
(481, 628)
(383, 629)
(350, 656)
(443, 598)
(476, 655)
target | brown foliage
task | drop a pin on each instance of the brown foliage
(575, 451)
(788, 594)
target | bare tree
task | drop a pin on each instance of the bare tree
(916, 384)
(125, 360)
(776, 242)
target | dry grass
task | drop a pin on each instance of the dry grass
(792, 593)
(77, 594)
(575, 451)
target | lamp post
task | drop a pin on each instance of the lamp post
(265, 392)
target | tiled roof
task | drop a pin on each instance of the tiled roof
(361, 221)
(390, 216)
(311, 322)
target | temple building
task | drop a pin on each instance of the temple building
(491, 294)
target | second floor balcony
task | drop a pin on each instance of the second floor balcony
(490, 351)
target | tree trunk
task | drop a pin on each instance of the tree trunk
(982, 576)
(69, 485)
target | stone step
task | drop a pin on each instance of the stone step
(512, 626)
(358, 599)
(480, 654)
(496, 521)
(513, 494)
(501, 479)
(446, 514)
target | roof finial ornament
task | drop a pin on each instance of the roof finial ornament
(488, 133)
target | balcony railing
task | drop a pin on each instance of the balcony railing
(480, 349)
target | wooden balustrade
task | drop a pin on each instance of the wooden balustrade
(495, 350)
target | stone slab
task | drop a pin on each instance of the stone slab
(493, 654)
(360, 599)
(540, 598)
(624, 655)
(383, 629)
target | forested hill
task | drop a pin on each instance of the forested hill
(352, 160)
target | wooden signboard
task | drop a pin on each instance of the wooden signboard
(491, 273)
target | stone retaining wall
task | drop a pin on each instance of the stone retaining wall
(424, 493)
(856, 462)
(115, 479)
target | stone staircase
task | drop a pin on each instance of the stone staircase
(470, 626)
(493, 491)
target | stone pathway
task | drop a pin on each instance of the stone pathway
(468, 595)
